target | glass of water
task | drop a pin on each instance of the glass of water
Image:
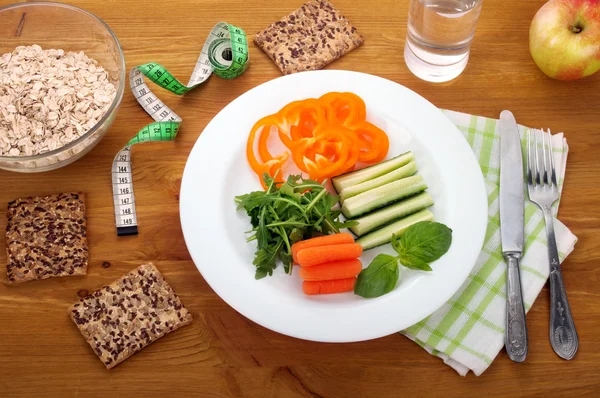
(439, 37)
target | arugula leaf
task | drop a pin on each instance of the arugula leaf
(265, 260)
(287, 190)
(379, 278)
(249, 201)
(425, 240)
(262, 233)
(286, 213)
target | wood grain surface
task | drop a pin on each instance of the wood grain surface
(224, 354)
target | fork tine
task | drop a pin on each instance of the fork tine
(530, 180)
(536, 160)
(552, 169)
(545, 160)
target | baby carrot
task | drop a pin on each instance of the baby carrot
(334, 270)
(335, 239)
(328, 287)
(325, 254)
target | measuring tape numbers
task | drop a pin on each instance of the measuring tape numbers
(225, 53)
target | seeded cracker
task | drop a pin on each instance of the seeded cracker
(46, 237)
(309, 38)
(132, 312)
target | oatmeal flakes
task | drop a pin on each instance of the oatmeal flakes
(49, 98)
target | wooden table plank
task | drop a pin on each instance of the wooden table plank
(223, 353)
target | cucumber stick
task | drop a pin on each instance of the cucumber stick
(391, 213)
(371, 172)
(384, 235)
(380, 196)
(404, 171)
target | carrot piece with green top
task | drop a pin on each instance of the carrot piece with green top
(334, 270)
(335, 239)
(328, 287)
(325, 254)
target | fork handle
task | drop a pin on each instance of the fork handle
(563, 336)
(516, 324)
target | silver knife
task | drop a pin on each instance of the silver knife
(511, 231)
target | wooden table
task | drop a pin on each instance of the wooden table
(224, 354)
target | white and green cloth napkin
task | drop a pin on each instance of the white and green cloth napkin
(467, 332)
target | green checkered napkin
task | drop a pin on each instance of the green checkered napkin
(467, 332)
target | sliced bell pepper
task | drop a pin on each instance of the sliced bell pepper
(266, 125)
(373, 142)
(322, 167)
(267, 163)
(345, 108)
(325, 137)
(300, 118)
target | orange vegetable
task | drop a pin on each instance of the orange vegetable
(300, 118)
(267, 163)
(373, 142)
(325, 254)
(328, 287)
(334, 270)
(326, 240)
(325, 137)
(320, 166)
(347, 108)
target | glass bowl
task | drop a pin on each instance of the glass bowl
(61, 26)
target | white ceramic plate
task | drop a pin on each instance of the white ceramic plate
(217, 170)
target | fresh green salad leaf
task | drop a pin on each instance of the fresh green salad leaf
(413, 262)
(427, 241)
(379, 278)
(284, 214)
(421, 244)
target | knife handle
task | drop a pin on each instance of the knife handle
(516, 325)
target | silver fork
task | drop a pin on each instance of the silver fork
(543, 191)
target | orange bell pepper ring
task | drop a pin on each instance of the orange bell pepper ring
(267, 163)
(345, 108)
(321, 167)
(373, 142)
(300, 118)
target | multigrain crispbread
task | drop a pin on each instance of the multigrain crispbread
(46, 237)
(132, 312)
(309, 38)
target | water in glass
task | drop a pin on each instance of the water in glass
(439, 37)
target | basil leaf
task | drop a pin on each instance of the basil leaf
(412, 262)
(396, 245)
(425, 240)
(379, 278)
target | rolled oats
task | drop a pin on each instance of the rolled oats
(49, 98)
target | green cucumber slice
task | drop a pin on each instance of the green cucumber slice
(391, 213)
(384, 235)
(368, 173)
(402, 172)
(383, 195)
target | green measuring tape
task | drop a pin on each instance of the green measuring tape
(225, 53)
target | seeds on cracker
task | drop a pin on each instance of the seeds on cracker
(46, 237)
(49, 98)
(132, 312)
(309, 38)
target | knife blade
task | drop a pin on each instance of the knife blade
(512, 227)
(511, 185)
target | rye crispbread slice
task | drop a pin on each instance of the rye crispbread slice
(131, 313)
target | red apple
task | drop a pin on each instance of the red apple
(564, 38)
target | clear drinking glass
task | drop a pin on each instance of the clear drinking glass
(439, 37)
